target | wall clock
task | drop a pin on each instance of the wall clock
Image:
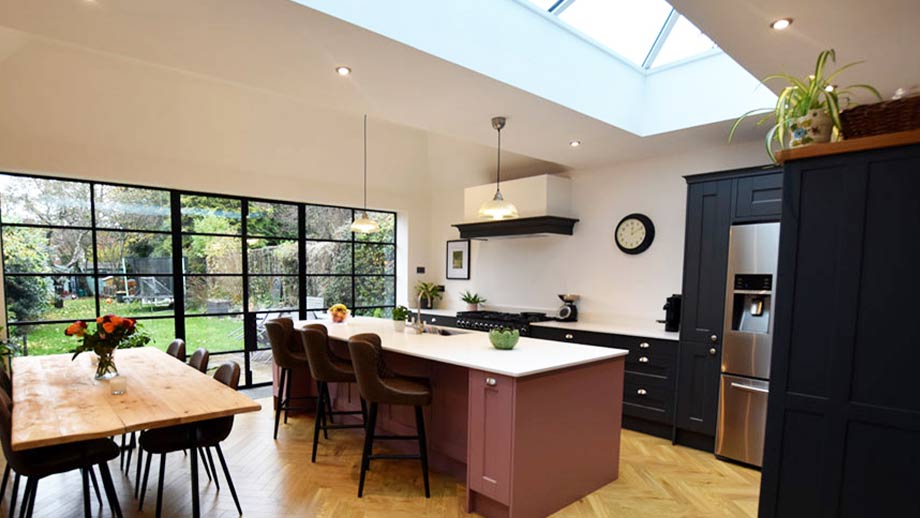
(635, 233)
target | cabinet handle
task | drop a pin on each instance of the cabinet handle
(642, 392)
(434, 319)
(712, 351)
(491, 382)
(643, 359)
(643, 345)
(713, 338)
(569, 336)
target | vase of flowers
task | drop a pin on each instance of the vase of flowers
(111, 333)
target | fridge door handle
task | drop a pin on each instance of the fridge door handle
(750, 388)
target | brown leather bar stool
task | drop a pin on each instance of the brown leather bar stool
(378, 385)
(327, 368)
(199, 360)
(288, 354)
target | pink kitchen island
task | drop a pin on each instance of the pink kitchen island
(531, 430)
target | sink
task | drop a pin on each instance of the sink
(443, 332)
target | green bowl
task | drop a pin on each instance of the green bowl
(504, 339)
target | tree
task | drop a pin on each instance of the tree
(24, 251)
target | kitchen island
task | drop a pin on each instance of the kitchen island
(530, 430)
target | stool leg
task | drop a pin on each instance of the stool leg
(317, 421)
(288, 391)
(6, 479)
(368, 447)
(328, 404)
(13, 496)
(363, 411)
(422, 447)
(324, 402)
(280, 402)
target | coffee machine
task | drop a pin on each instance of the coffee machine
(569, 311)
(672, 313)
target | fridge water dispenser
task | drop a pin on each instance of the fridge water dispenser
(752, 298)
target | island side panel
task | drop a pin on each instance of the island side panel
(566, 436)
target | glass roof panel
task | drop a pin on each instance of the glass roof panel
(627, 27)
(543, 4)
(684, 41)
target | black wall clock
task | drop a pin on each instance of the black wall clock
(635, 233)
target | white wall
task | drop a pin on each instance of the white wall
(528, 273)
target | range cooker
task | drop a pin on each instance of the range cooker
(486, 320)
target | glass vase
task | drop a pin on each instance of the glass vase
(105, 368)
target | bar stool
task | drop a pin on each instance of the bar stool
(288, 354)
(327, 368)
(378, 385)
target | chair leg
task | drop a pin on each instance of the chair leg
(26, 497)
(368, 447)
(422, 447)
(325, 404)
(121, 451)
(131, 446)
(287, 389)
(14, 495)
(160, 485)
(143, 486)
(87, 509)
(204, 462)
(213, 469)
(193, 452)
(363, 411)
(223, 463)
(92, 479)
(328, 403)
(317, 422)
(280, 401)
(109, 487)
(6, 479)
(137, 476)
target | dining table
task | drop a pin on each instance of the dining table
(56, 400)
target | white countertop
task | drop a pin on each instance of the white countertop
(472, 349)
(617, 326)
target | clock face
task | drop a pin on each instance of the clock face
(634, 233)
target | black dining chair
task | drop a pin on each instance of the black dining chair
(202, 435)
(199, 360)
(176, 349)
(38, 463)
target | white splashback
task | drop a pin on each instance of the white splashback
(544, 195)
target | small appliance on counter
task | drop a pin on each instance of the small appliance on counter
(671, 314)
(568, 312)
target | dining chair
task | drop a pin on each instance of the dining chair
(202, 435)
(377, 384)
(288, 354)
(326, 368)
(38, 463)
(199, 359)
(176, 349)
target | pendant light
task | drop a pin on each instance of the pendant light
(497, 207)
(363, 224)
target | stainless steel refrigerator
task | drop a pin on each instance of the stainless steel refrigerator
(747, 342)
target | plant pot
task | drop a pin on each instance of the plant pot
(812, 128)
(105, 366)
(399, 326)
(426, 303)
(472, 307)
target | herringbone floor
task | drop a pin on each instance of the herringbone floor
(276, 479)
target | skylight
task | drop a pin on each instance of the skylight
(647, 33)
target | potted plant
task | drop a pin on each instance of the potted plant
(400, 315)
(111, 333)
(473, 300)
(430, 293)
(8, 349)
(807, 110)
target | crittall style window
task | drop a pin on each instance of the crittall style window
(208, 268)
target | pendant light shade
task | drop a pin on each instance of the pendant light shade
(363, 224)
(498, 207)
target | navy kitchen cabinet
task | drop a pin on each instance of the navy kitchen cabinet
(843, 423)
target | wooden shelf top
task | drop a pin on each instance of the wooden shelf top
(902, 138)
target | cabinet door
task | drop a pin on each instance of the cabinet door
(705, 258)
(490, 428)
(759, 198)
(698, 387)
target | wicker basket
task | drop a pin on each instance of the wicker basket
(881, 118)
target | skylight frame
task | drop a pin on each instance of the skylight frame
(646, 67)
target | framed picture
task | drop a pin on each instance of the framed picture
(458, 259)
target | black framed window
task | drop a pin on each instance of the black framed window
(209, 268)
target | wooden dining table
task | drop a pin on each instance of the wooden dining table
(57, 401)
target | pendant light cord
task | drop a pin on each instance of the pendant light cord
(498, 179)
(365, 162)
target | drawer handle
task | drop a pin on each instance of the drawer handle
(712, 351)
(643, 359)
(569, 336)
(642, 392)
(644, 345)
(491, 382)
(434, 319)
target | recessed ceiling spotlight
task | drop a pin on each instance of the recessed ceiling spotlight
(575, 143)
(343, 71)
(781, 24)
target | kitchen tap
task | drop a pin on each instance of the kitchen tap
(419, 325)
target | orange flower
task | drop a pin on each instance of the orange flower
(128, 323)
(108, 327)
(78, 328)
(115, 320)
(100, 320)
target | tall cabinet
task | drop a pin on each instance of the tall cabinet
(715, 201)
(843, 424)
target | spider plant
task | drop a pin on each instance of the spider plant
(815, 92)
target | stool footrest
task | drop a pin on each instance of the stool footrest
(397, 437)
(340, 426)
(345, 412)
(394, 456)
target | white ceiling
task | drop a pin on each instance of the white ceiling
(287, 49)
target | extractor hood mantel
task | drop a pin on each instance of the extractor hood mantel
(518, 227)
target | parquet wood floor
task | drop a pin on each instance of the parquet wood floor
(276, 479)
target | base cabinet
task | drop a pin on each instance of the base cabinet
(491, 404)
(698, 382)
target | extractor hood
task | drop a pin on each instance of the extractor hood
(544, 203)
